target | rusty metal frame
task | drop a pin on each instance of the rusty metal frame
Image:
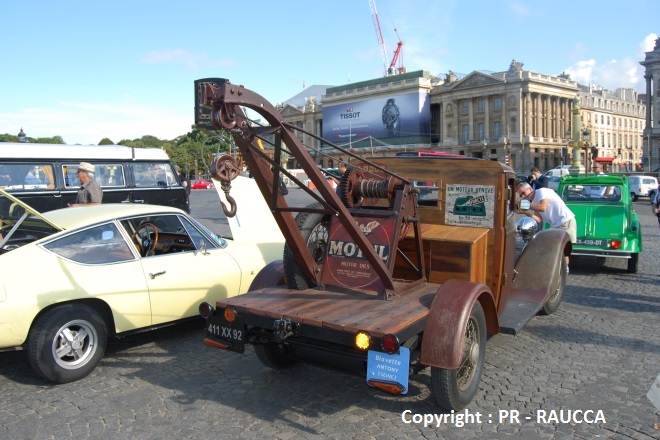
(227, 102)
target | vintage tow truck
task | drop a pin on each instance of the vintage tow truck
(374, 280)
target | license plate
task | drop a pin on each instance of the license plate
(233, 335)
(592, 242)
(389, 368)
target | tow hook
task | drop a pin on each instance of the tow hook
(284, 328)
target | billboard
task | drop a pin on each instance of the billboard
(394, 119)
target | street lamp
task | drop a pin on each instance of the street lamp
(21, 136)
(578, 135)
(485, 154)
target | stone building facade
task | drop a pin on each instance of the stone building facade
(651, 64)
(517, 117)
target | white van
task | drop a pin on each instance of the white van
(554, 174)
(642, 186)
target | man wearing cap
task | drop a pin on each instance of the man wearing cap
(90, 191)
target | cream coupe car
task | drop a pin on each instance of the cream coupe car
(73, 277)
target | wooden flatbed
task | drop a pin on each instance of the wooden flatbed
(345, 310)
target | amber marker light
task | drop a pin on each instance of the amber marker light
(230, 314)
(362, 340)
(205, 310)
(387, 386)
(217, 344)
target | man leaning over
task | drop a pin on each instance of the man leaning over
(547, 207)
(90, 192)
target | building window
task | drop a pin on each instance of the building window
(497, 103)
(481, 105)
(482, 133)
(466, 107)
(466, 132)
(497, 130)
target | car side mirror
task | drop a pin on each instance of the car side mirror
(202, 247)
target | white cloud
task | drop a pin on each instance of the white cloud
(174, 56)
(519, 8)
(613, 74)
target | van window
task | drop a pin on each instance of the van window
(107, 175)
(26, 177)
(154, 175)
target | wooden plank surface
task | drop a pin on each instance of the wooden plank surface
(351, 311)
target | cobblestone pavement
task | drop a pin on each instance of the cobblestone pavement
(600, 351)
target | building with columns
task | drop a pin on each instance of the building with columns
(651, 64)
(517, 117)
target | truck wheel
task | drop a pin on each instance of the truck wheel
(314, 229)
(633, 197)
(552, 304)
(455, 389)
(67, 342)
(632, 263)
(272, 355)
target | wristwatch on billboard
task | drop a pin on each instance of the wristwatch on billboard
(390, 116)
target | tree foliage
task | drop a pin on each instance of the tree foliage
(195, 148)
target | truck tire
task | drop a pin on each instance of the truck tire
(67, 342)
(314, 229)
(552, 304)
(455, 389)
(633, 262)
(633, 197)
(272, 355)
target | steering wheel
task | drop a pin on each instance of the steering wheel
(145, 246)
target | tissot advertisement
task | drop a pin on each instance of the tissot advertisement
(395, 119)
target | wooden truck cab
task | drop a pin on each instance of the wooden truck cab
(411, 265)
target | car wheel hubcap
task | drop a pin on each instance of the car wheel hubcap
(74, 344)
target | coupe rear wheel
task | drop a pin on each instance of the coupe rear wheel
(67, 342)
(314, 229)
(632, 263)
(455, 389)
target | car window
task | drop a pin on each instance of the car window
(199, 239)
(427, 193)
(26, 177)
(98, 245)
(107, 175)
(592, 193)
(174, 234)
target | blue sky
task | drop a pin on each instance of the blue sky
(124, 69)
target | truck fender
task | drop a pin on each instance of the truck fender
(537, 268)
(444, 334)
(270, 276)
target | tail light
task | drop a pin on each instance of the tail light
(390, 344)
(205, 310)
(615, 244)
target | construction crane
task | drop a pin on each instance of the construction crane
(397, 57)
(390, 67)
